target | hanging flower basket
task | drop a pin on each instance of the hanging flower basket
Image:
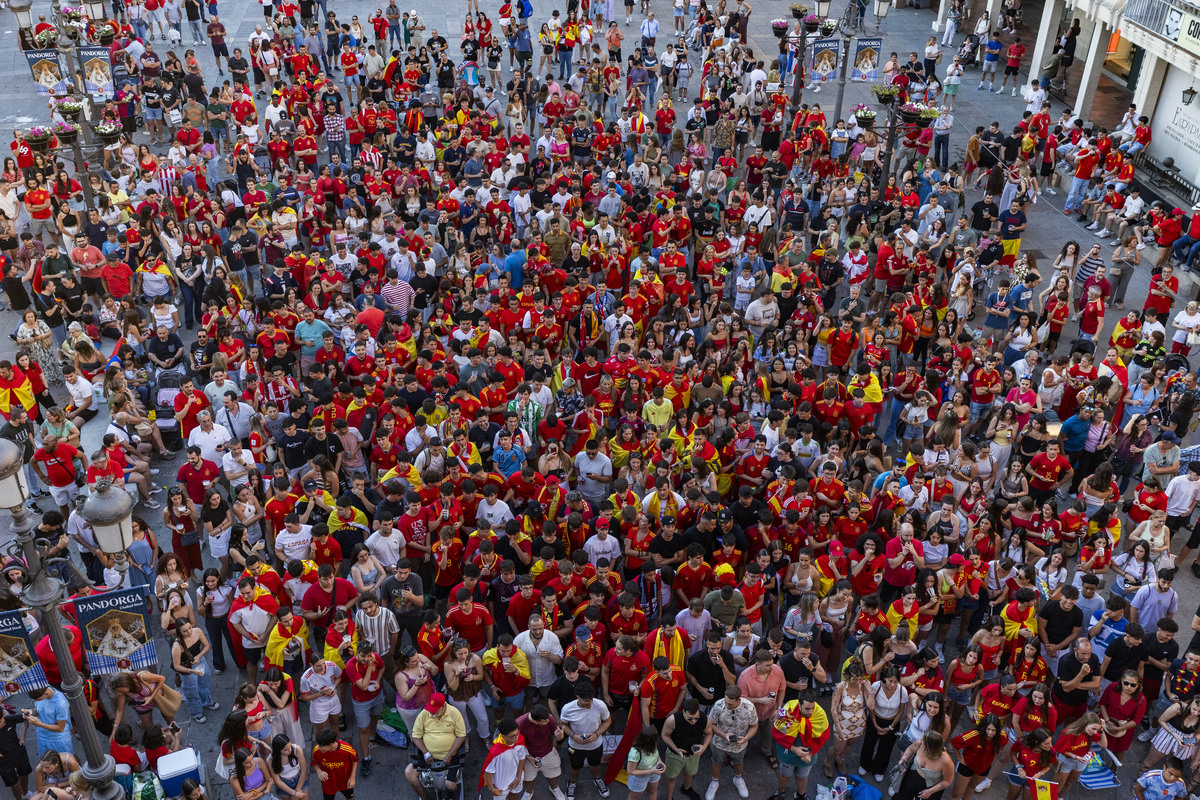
(865, 115)
(66, 132)
(106, 36)
(812, 22)
(828, 27)
(106, 131)
(779, 27)
(46, 39)
(38, 139)
(69, 108)
(885, 93)
(799, 11)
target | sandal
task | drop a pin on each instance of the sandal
(828, 769)
(772, 760)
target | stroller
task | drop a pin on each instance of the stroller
(968, 53)
(166, 385)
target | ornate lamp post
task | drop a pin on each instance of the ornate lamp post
(33, 582)
(22, 11)
(851, 22)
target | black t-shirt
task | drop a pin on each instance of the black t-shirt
(165, 350)
(1166, 651)
(794, 671)
(389, 594)
(330, 446)
(667, 550)
(978, 222)
(202, 355)
(1068, 668)
(709, 675)
(562, 691)
(424, 289)
(1121, 656)
(1059, 623)
(72, 299)
(293, 449)
(285, 362)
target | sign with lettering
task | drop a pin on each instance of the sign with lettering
(115, 634)
(1176, 126)
(20, 670)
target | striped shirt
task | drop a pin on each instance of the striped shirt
(398, 296)
(378, 629)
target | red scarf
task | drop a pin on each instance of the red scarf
(498, 748)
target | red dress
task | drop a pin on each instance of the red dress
(1077, 379)
(1133, 710)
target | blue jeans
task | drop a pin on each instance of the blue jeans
(564, 64)
(1076, 194)
(195, 688)
(31, 479)
(197, 33)
(1129, 148)
(394, 33)
(894, 419)
(1188, 244)
(941, 150)
(139, 27)
(338, 147)
(193, 306)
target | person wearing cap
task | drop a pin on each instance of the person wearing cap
(438, 734)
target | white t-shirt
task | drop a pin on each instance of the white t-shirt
(322, 708)
(584, 720)
(541, 668)
(294, 545)
(1183, 322)
(385, 548)
(81, 391)
(164, 316)
(598, 548)
(504, 768)
(255, 620)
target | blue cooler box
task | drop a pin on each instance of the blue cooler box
(175, 768)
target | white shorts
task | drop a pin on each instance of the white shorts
(322, 709)
(219, 545)
(64, 495)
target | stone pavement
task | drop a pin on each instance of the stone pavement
(904, 30)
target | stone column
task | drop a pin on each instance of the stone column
(1149, 85)
(1046, 37)
(1092, 65)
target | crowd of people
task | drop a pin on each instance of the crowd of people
(614, 415)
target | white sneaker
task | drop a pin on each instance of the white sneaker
(878, 778)
(983, 785)
(1146, 735)
(1050, 191)
(739, 783)
(558, 793)
(711, 792)
(1095, 226)
(1104, 234)
(862, 771)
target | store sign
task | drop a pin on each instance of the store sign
(1183, 29)
(1176, 126)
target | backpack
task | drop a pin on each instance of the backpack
(526, 9)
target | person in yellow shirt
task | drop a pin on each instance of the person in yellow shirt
(658, 411)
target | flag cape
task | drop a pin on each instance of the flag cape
(498, 748)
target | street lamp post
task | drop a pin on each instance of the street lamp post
(22, 11)
(33, 582)
(850, 23)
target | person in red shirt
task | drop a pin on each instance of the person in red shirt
(188, 405)
(364, 673)
(1047, 472)
(625, 667)
(1086, 161)
(471, 621)
(1166, 233)
(335, 764)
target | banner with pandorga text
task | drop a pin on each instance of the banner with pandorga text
(20, 670)
(116, 635)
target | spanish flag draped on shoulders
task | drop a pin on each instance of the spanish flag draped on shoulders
(17, 390)
(792, 728)
(1015, 619)
(281, 635)
(264, 599)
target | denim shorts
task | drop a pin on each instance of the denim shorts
(638, 783)
(152, 113)
(365, 709)
(957, 695)
(790, 764)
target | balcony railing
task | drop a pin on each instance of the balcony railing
(1154, 14)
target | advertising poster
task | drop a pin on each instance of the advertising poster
(825, 59)
(866, 60)
(19, 667)
(47, 71)
(114, 631)
(97, 71)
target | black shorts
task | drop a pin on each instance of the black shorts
(1047, 170)
(964, 770)
(1011, 70)
(1194, 541)
(93, 286)
(441, 592)
(221, 49)
(255, 654)
(15, 768)
(259, 75)
(1174, 523)
(579, 757)
(348, 793)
